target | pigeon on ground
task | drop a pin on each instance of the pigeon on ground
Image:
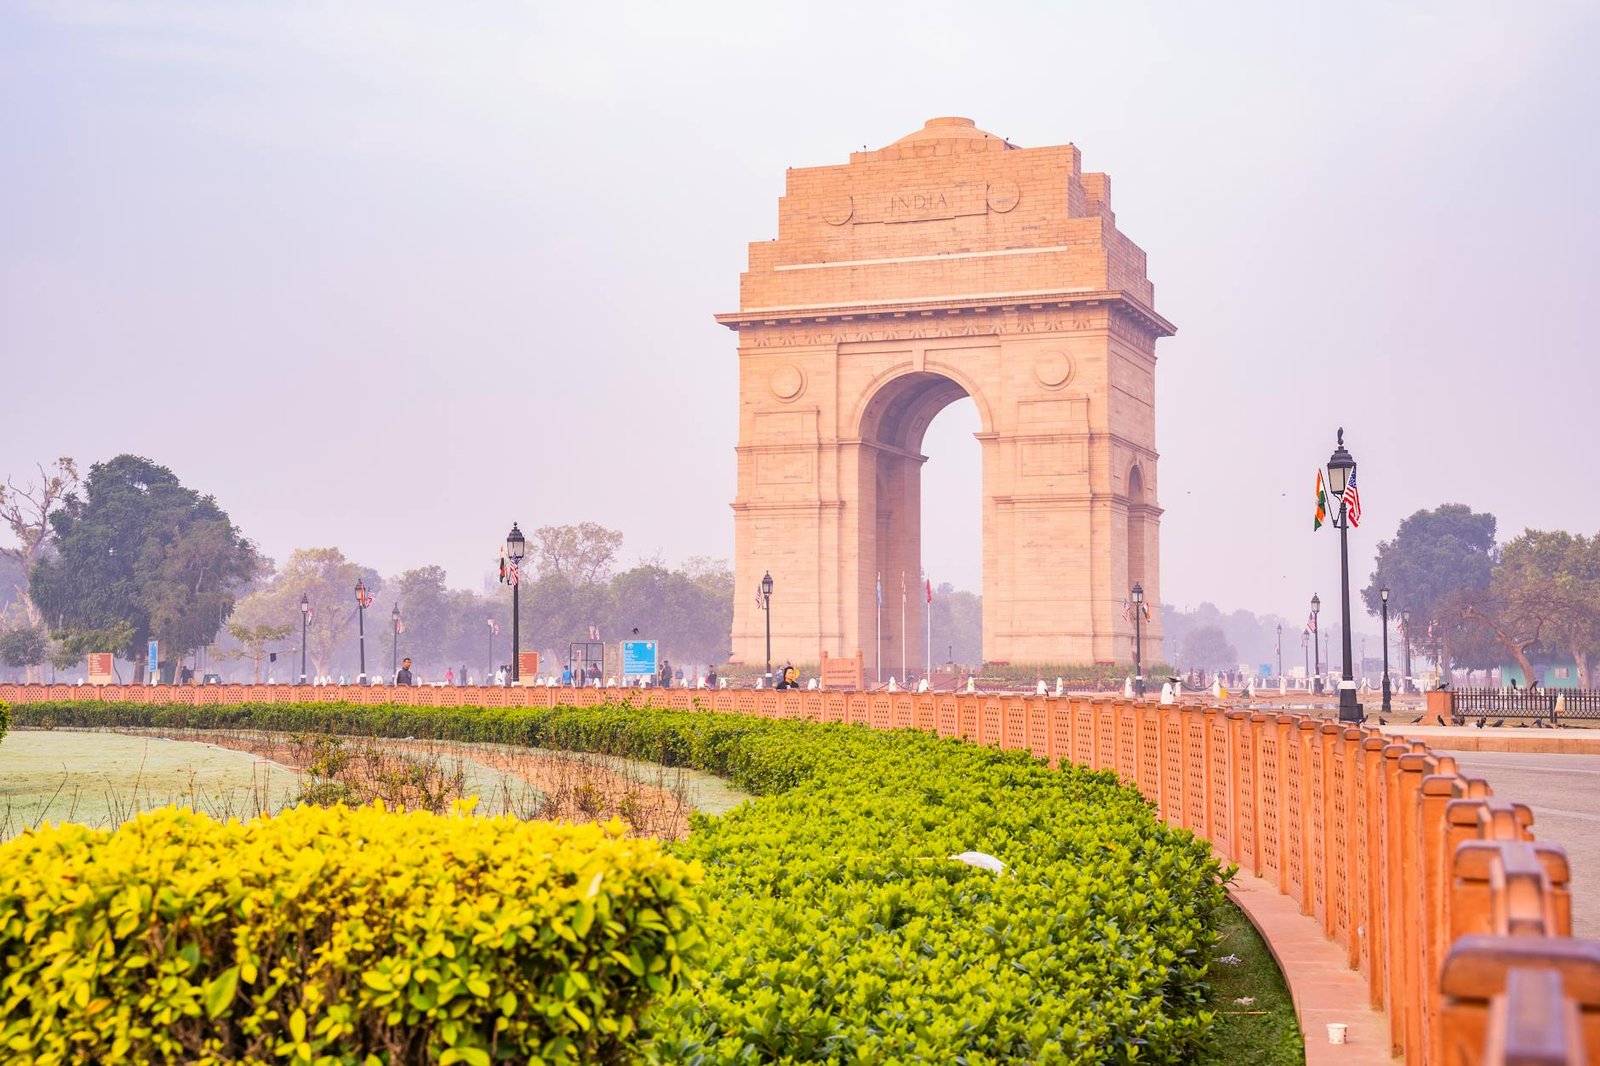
(1382, 720)
(1497, 723)
(1480, 723)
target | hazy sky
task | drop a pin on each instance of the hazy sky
(388, 276)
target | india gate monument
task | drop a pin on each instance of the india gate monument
(950, 263)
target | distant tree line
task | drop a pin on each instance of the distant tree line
(1475, 604)
(128, 554)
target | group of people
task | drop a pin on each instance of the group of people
(589, 674)
(405, 675)
(584, 675)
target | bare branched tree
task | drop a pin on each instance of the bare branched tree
(26, 511)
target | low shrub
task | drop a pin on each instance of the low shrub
(336, 936)
(5, 718)
(843, 930)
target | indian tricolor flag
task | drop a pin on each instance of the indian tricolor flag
(1322, 504)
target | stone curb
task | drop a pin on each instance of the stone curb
(1323, 986)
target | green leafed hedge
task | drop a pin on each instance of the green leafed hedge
(842, 929)
(335, 936)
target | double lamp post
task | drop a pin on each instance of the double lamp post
(1341, 470)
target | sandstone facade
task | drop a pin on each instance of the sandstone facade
(948, 264)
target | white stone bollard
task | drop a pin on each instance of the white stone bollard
(1127, 689)
(722, 682)
(972, 684)
(923, 686)
(1039, 689)
(1061, 687)
(892, 686)
(1166, 693)
(812, 686)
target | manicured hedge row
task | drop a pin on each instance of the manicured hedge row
(5, 719)
(330, 935)
(842, 930)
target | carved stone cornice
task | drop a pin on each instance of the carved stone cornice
(889, 320)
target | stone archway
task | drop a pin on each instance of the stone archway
(949, 264)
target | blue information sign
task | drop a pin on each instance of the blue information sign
(638, 657)
(155, 657)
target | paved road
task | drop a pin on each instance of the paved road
(1564, 793)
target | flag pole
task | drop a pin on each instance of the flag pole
(905, 660)
(878, 645)
(929, 607)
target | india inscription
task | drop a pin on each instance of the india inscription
(855, 328)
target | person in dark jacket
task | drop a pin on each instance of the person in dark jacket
(403, 675)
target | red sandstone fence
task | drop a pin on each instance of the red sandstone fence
(1434, 888)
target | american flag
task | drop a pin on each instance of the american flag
(399, 625)
(1352, 501)
(1311, 623)
(513, 574)
(1127, 609)
(494, 627)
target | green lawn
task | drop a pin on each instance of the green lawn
(1259, 1033)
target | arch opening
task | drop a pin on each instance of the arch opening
(894, 431)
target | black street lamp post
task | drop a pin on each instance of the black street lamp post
(1316, 648)
(1138, 640)
(1341, 470)
(394, 641)
(1405, 636)
(1305, 649)
(516, 547)
(1383, 595)
(361, 627)
(766, 607)
(305, 623)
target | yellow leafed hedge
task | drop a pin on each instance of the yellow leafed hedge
(336, 936)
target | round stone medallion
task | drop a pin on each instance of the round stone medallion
(1003, 196)
(1053, 369)
(836, 210)
(787, 382)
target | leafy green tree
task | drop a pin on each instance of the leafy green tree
(253, 641)
(1546, 591)
(555, 611)
(24, 646)
(1437, 562)
(141, 548)
(435, 619)
(1208, 647)
(328, 580)
(692, 620)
